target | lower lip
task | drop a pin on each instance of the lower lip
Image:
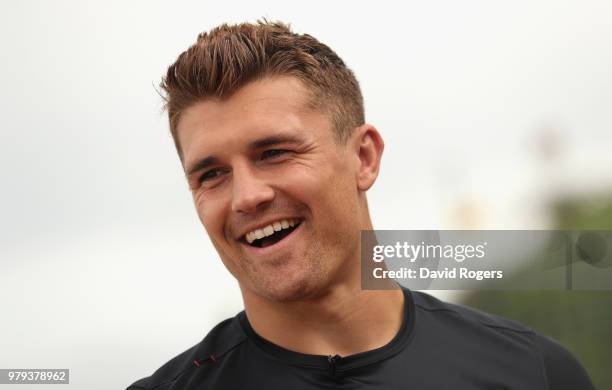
(285, 243)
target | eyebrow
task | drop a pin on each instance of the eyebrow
(202, 164)
(254, 145)
(275, 140)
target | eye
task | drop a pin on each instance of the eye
(272, 153)
(211, 174)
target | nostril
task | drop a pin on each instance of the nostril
(249, 196)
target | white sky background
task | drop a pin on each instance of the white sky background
(104, 266)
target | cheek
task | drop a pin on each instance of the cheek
(210, 213)
(329, 193)
(200, 209)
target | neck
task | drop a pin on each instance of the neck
(344, 320)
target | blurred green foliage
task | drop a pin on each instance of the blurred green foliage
(580, 320)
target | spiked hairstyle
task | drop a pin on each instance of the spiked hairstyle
(230, 56)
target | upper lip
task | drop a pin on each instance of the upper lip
(260, 225)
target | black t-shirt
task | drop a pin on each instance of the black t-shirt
(439, 346)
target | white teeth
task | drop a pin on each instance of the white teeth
(269, 229)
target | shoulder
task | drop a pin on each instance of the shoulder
(488, 335)
(432, 309)
(224, 337)
(563, 370)
(482, 334)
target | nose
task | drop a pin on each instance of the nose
(250, 191)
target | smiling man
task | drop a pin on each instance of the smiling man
(270, 130)
(275, 191)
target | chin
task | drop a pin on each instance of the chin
(284, 292)
(284, 289)
(288, 281)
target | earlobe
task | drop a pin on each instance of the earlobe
(370, 146)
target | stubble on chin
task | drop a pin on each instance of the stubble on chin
(286, 281)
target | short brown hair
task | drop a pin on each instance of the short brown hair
(229, 56)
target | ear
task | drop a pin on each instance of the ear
(369, 146)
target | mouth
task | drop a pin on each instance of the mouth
(271, 234)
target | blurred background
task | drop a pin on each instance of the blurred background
(496, 115)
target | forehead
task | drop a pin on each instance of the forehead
(273, 106)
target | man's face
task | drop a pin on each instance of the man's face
(276, 193)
